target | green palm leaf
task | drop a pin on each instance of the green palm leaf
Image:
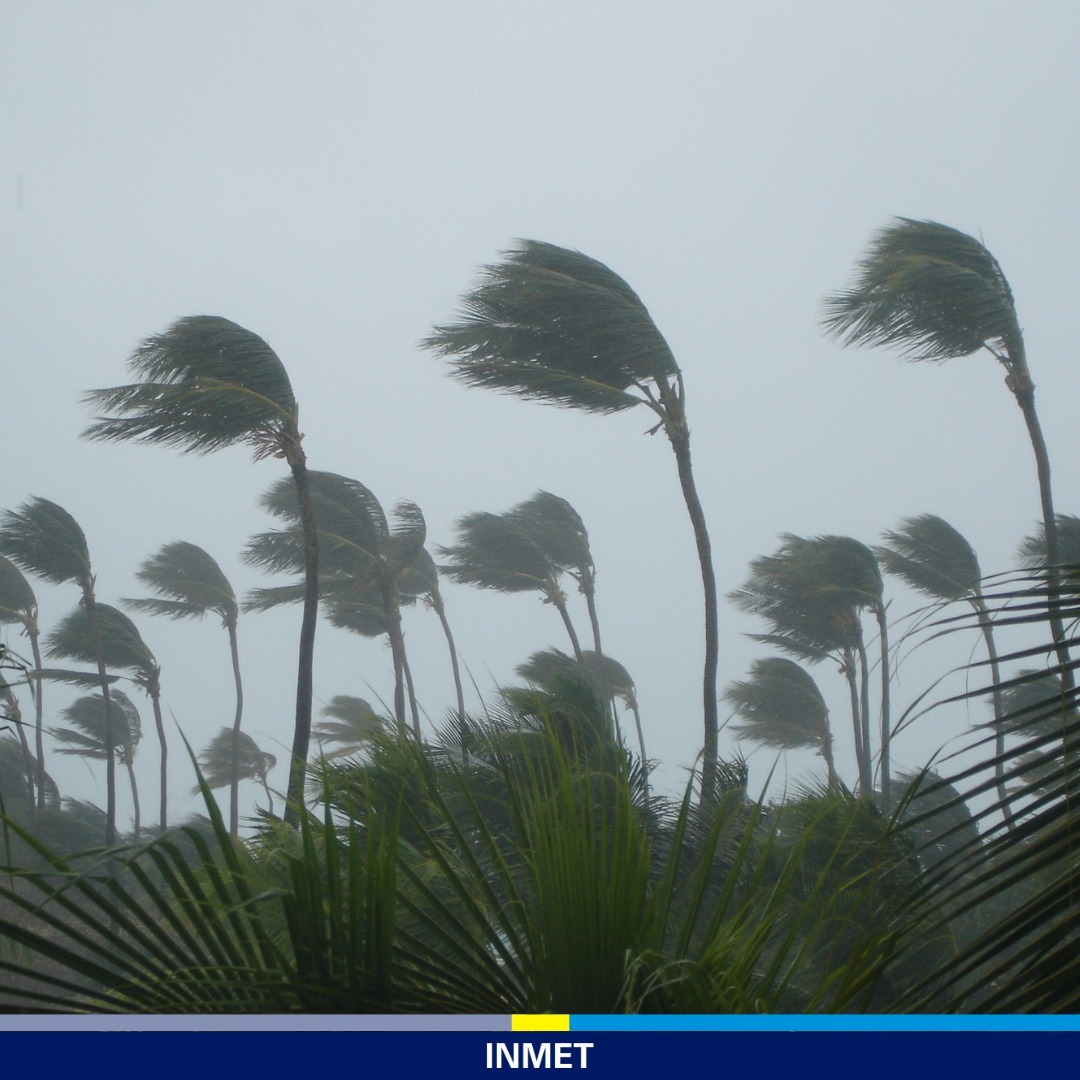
(932, 557)
(188, 583)
(204, 383)
(45, 540)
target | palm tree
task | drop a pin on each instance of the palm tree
(811, 592)
(44, 539)
(99, 731)
(780, 705)
(938, 294)
(506, 552)
(361, 555)
(352, 724)
(611, 679)
(935, 559)
(554, 325)
(18, 604)
(216, 762)
(203, 384)
(189, 584)
(123, 649)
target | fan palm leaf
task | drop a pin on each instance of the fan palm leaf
(551, 324)
(203, 384)
(216, 762)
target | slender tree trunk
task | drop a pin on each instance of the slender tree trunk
(135, 799)
(39, 726)
(679, 434)
(234, 768)
(154, 690)
(414, 711)
(1024, 391)
(886, 725)
(830, 762)
(864, 711)
(437, 604)
(987, 628)
(555, 596)
(850, 669)
(392, 610)
(90, 603)
(294, 797)
(29, 765)
(588, 590)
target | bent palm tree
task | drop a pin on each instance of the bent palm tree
(44, 539)
(206, 383)
(122, 649)
(935, 559)
(938, 294)
(780, 705)
(811, 592)
(18, 604)
(361, 555)
(190, 585)
(554, 325)
(504, 552)
(100, 731)
(216, 762)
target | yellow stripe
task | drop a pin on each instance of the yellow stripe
(540, 1022)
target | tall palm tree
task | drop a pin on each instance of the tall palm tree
(216, 762)
(123, 649)
(97, 732)
(18, 604)
(42, 538)
(203, 384)
(936, 293)
(812, 592)
(935, 559)
(189, 584)
(780, 705)
(506, 552)
(554, 325)
(361, 554)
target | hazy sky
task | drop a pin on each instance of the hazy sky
(332, 176)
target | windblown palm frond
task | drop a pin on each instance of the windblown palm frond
(45, 540)
(88, 731)
(928, 289)
(352, 724)
(124, 649)
(932, 557)
(780, 705)
(553, 324)
(188, 584)
(203, 384)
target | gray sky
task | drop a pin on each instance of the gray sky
(332, 175)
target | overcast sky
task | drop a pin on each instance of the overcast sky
(332, 176)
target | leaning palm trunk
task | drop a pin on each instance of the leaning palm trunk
(986, 627)
(234, 775)
(886, 728)
(440, 611)
(90, 604)
(294, 798)
(163, 757)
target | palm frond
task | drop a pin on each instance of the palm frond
(928, 289)
(45, 540)
(932, 557)
(89, 727)
(17, 601)
(122, 645)
(779, 705)
(204, 383)
(555, 325)
(187, 582)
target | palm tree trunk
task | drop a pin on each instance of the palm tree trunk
(886, 728)
(234, 769)
(555, 596)
(1024, 391)
(680, 442)
(90, 603)
(163, 757)
(413, 709)
(294, 798)
(864, 713)
(850, 671)
(135, 799)
(29, 765)
(437, 604)
(39, 727)
(987, 628)
(392, 611)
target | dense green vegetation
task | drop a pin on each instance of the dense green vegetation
(518, 859)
